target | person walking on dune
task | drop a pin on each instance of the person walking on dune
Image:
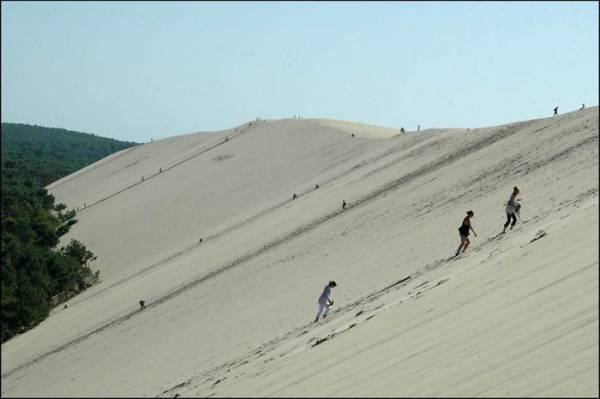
(556, 110)
(512, 209)
(464, 230)
(325, 301)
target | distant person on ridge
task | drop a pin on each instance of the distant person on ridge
(512, 209)
(556, 111)
(343, 204)
(582, 106)
(324, 301)
(463, 230)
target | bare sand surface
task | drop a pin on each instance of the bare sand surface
(516, 315)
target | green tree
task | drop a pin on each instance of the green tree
(35, 274)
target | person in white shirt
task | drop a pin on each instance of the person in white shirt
(325, 301)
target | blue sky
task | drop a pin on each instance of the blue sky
(138, 70)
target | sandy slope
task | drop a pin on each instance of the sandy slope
(513, 317)
(516, 318)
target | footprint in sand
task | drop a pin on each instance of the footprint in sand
(442, 281)
(320, 341)
(423, 283)
(538, 235)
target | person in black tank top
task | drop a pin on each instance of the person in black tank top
(463, 230)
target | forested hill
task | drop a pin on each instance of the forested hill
(52, 153)
(36, 274)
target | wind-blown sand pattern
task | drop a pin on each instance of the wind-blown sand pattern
(516, 315)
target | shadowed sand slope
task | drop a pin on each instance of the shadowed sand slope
(232, 314)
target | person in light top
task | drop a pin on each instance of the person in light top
(512, 209)
(325, 301)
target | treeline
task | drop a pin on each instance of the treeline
(36, 275)
(52, 152)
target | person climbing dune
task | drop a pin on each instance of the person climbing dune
(325, 301)
(512, 209)
(464, 231)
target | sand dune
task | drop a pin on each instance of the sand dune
(231, 315)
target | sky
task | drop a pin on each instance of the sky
(137, 71)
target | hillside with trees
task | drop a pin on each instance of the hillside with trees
(36, 275)
(52, 153)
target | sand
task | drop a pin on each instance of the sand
(517, 315)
